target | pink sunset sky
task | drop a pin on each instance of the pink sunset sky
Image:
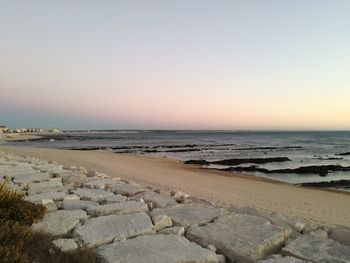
(175, 65)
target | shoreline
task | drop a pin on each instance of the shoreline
(322, 205)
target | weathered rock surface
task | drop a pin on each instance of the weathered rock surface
(65, 244)
(315, 249)
(115, 199)
(340, 234)
(105, 229)
(161, 221)
(71, 197)
(96, 195)
(92, 173)
(319, 233)
(155, 200)
(180, 196)
(280, 259)
(175, 230)
(56, 196)
(188, 214)
(246, 210)
(117, 208)
(78, 204)
(127, 189)
(295, 223)
(49, 204)
(156, 249)
(60, 222)
(44, 187)
(100, 183)
(241, 238)
(37, 177)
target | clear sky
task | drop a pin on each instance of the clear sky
(180, 64)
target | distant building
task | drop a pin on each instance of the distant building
(2, 128)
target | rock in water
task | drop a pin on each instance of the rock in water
(60, 222)
(188, 214)
(105, 229)
(241, 238)
(156, 249)
(315, 249)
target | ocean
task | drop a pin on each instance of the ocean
(295, 156)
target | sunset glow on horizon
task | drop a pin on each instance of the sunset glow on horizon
(234, 65)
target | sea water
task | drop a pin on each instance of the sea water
(304, 148)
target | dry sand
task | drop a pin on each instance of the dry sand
(222, 188)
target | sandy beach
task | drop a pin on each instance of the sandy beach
(224, 189)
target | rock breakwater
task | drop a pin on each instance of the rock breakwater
(128, 222)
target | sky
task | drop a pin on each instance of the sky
(180, 64)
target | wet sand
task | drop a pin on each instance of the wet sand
(223, 188)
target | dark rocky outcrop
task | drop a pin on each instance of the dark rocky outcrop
(321, 170)
(252, 160)
(269, 148)
(339, 183)
(343, 154)
(238, 161)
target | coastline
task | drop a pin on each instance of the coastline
(229, 189)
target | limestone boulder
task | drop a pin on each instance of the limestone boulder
(45, 187)
(156, 249)
(127, 189)
(180, 196)
(155, 200)
(36, 178)
(49, 204)
(241, 238)
(101, 183)
(340, 234)
(56, 196)
(188, 214)
(117, 208)
(115, 199)
(95, 195)
(78, 204)
(60, 222)
(175, 230)
(161, 221)
(280, 219)
(105, 229)
(319, 233)
(315, 249)
(65, 244)
(71, 197)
